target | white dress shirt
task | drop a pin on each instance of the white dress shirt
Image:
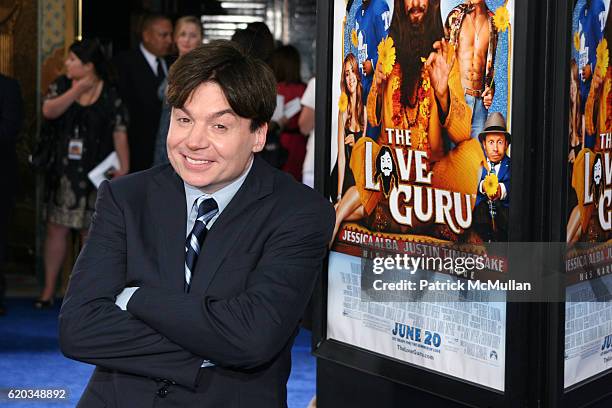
(152, 60)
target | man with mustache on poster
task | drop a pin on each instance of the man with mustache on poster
(472, 33)
(420, 94)
(493, 203)
(386, 171)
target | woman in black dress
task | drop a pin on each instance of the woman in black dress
(88, 121)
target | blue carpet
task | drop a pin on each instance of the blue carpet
(30, 359)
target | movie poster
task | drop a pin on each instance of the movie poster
(421, 143)
(588, 308)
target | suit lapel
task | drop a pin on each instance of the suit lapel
(168, 211)
(145, 67)
(227, 228)
(503, 168)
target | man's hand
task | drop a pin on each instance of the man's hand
(439, 71)
(282, 122)
(119, 172)
(596, 83)
(497, 195)
(487, 97)
(367, 67)
(379, 75)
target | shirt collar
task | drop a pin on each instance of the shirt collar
(151, 58)
(222, 196)
(491, 164)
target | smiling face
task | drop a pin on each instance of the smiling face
(574, 79)
(597, 172)
(187, 36)
(350, 78)
(573, 91)
(386, 164)
(416, 10)
(209, 145)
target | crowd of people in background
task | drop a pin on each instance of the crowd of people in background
(102, 105)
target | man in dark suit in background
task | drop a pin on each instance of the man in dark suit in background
(141, 72)
(11, 116)
(195, 275)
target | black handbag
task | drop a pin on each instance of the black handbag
(44, 155)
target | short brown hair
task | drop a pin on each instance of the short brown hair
(247, 83)
(149, 19)
(286, 64)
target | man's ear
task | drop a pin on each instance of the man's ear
(146, 36)
(260, 138)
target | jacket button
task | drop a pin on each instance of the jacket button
(162, 392)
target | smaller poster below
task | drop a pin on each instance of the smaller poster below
(462, 339)
(588, 328)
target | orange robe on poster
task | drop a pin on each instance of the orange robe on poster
(586, 210)
(598, 109)
(458, 170)
(598, 120)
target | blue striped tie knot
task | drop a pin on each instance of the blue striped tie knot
(207, 209)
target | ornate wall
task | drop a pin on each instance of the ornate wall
(33, 37)
(18, 49)
(18, 59)
(57, 32)
(8, 17)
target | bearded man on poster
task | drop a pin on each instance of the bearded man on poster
(420, 91)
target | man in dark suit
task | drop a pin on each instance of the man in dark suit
(140, 73)
(195, 274)
(11, 116)
(491, 209)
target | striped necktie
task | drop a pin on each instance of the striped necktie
(161, 74)
(207, 209)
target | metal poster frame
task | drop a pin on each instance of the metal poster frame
(597, 387)
(525, 123)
